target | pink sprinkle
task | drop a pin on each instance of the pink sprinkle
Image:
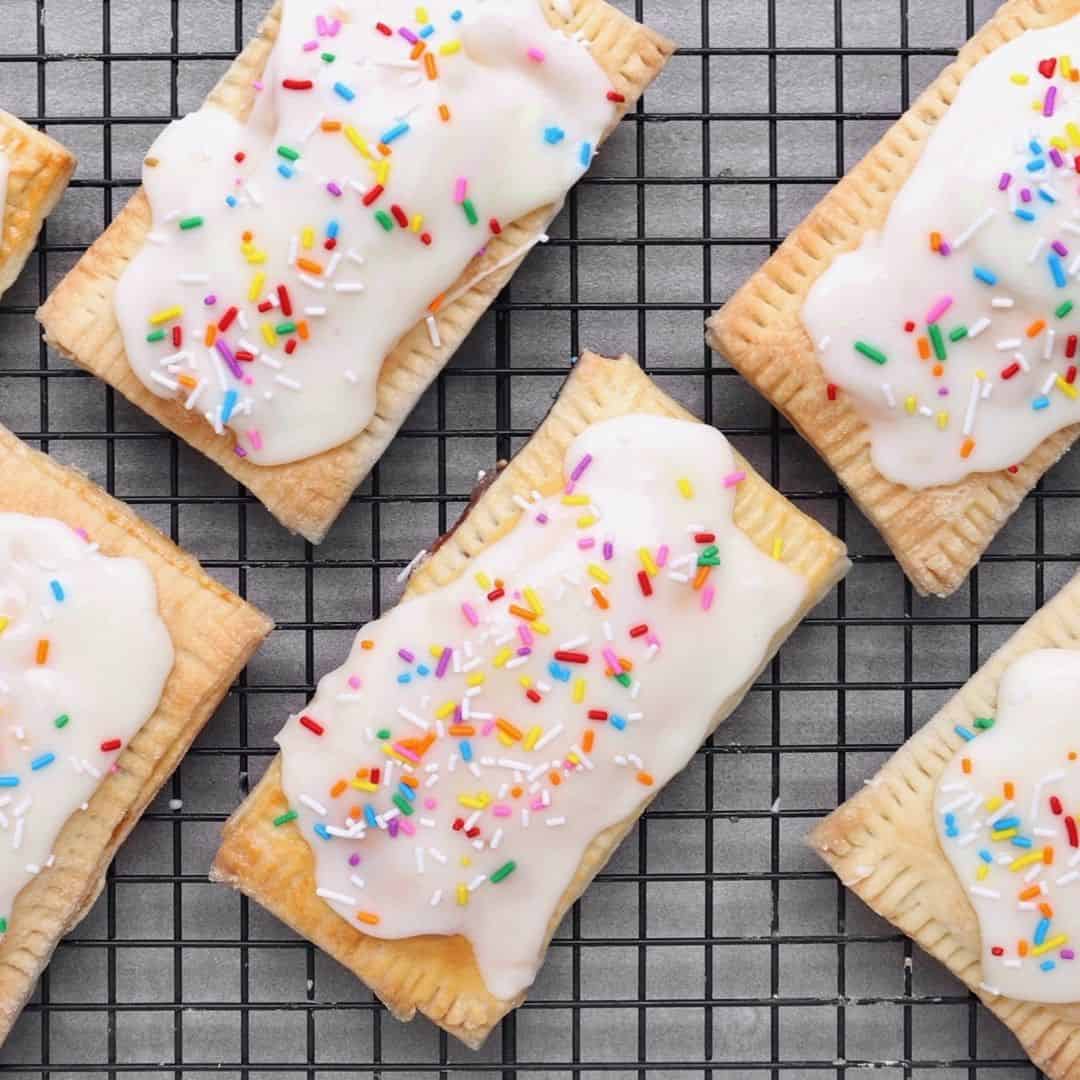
(407, 827)
(404, 751)
(258, 84)
(612, 660)
(408, 35)
(1048, 101)
(83, 534)
(525, 634)
(538, 55)
(586, 542)
(707, 595)
(1004, 181)
(320, 24)
(430, 803)
(354, 682)
(255, 439)
(662, 553)
(335, 26)
(354, 859)
(310, 46)
(537, 803)
(488, 728)
(938, 309)
(470, 613)
(461, 187)
(501, 810)
(1067, 954)
(334, 189)
(653, 639)
(734, 478)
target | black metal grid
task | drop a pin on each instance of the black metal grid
(782, 975)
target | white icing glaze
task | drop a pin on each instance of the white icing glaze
(514, 84)
(894, 276)
(107, 658)
(1033, 745)
(689, 663)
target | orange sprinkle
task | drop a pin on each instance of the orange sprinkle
(462, 729)
(337, 789)
(429, 66)
(965, 764)
(188, 381)
(935, 241)
(1048, 855)
(367, 643)
(384, 149)
(701, 576)
(516, 791)
(362, 774)
(924, 348)
(645, 778)
(417, 50)
(247, 236)
(1009, 790)
(555, 778)
(1030, 893)
(368, 917)
(938, 370)
(600, 598)
(42, 656)
(409, 781)
(309, 265)
(444, 114)
(966, 447)
(1022, 947)
(1036, 328)
(302, 330)
(436, 303)
(1046, 910)
(587, 740)
(507, 728)
(331, 125)
(355, 813)
(211, 335)
(1072, 755)
(425, 743)
(522, 613)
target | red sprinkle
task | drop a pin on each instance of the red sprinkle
(614, 95)
(496, 594)
(459, 824)
(372, 194)
(997, 950)
(109, 745)
(426, 238)
(285, 300)
(909, 326)
(704, 538)
(644, 583)
(384, 29)
(1055, 804)
(532, 695)
(597, 714)
(1076, 162)
(312, 725)
(1070, 828)
(494, 226)
(637, 631)
(265, 306)
(290, 346)
(227, 319)
(1014, 468)
(399, 216)
(473, 832)
(830, 391)
(375, 774)
(243, 354)
(1070, 374)
(239, 156)
(572, 657)
(329, 243)
(1046, 67)
(1010, 371)
(177, 337)
(1070, 346)
(297, 84)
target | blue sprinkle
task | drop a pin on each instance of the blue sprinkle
(617, 722)
(407, 792)
(950, 819)
(1024, 215)
(1041, 930)
(57, 590)
(1036, 166)
(1041, 402)
(320, 830)
(394, 133)
(986, 856)
(1035, 146)
(456, 14)
(1057, 271)
(1005, 823)
(963, 732)
(1046, 196)
(585, 155)
(227, 406)
(427, 31)
(1021, 841)
(554, 135)
(369, 816)
(285, 170)
(9, 781)
(988, 277)
(423, 669)
(559, 672)
(333, 227)
(41, 761)
(1047, 965)
(404, 677)
(343, 91)
(466, 750)
(231, 201)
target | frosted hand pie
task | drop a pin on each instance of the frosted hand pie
(309, 248)
(456, 784)
(34, 172)
(926, 343)
(967, 841)
(115, 649)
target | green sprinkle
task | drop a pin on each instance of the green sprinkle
(288, 153)
(1063, 309)
(622, 678)
(504, 871)
(958, 333)
(382, 733)
(285, 328)
(470, 211)
(871, 353)
(284, 819)
(984, 723)
(710, 552)
(385, 220)
(329, 57)
(156, 335)
(708, 560)
(62, 721)
(936, 339)
(3, 926)
(403, 804)
(190, 222)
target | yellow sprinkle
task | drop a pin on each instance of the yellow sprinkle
(539, 627)
(389, 751)
(1004, 834)
(525, 681)
(256, 287)
(911, 403)
(504, 738)
(585, 521)
(573, 759)
(268, 334)
(357, 140)
(382, 172)
(421, 15)
(416, 223)
(648, 562)
(994, 803)
(475, 679)
(465, 860)
(256, 257)
(1058, 142)
(475, 803)
(307, 237)
(980, 374)
(4, 623)
(435, 650)
(943, 419)
(532, 599)
(532, 737)
(686, 489)
(1050, 943)
(1019, 78)
(1024, 860)
(575, 500)
(777, 547)
(578, 695)
(501, 657)
(363, 785)
(1037, 105)
(1066, 65)
(599, 573)
(445, 709)
(462, 895)
(450, 47)
(166, 315)
(483, 580)
(981, 873)
(1066, 388)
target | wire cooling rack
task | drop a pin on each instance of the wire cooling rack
(714, 944)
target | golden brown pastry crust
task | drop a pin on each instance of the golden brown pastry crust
(39, 169)
(937, 534)
(213, 633)
(306, 496)
(438, 975)
(883, 844)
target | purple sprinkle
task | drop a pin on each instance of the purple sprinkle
(1048, 101)
(1060, 248)
(405, 655)
(1067, 954)
(239, 451)
(943, 391)
(580, 468)
(524, 650)
(1004, 181)
(225, 353)
(408, 35)
(541, 519)
(444, 662)
(1025, 194)
(609, 551)
(945, 248)
(354, 859)
(392, 828)
(333, 189)
(1056, 158)
(457, 714)
(210, 300)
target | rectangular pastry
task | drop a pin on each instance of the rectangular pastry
(966, 840)
(919, 328)
(308, 250)
(115, 649)
(34, 172)
(454, 787)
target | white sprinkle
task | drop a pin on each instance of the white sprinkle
(312, 282)
(292, 384)
(157, 238)
(311, 804)
(890, 398)
(1036, 249)
(973, 228)
(1048, 344)
(978, 326)
(356, 880)
(1069, 878)
(433, 332)
(163, 380)
(341, 898)
(193, 279)
(412, 565)
(823, 344)
(1047, 386)
(551, 733)
(1025, 367)
(314, 312)
(973, 401)
(1002, 302)
(293, 246)
(419, 860)
(349, 287)
(253, 193)
(496, 840)
(990, 894)
(436, 896)
(350, 376)
(989, 989)
(352, 254)
(477, 882)
(1005, 344)
(553, 822)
